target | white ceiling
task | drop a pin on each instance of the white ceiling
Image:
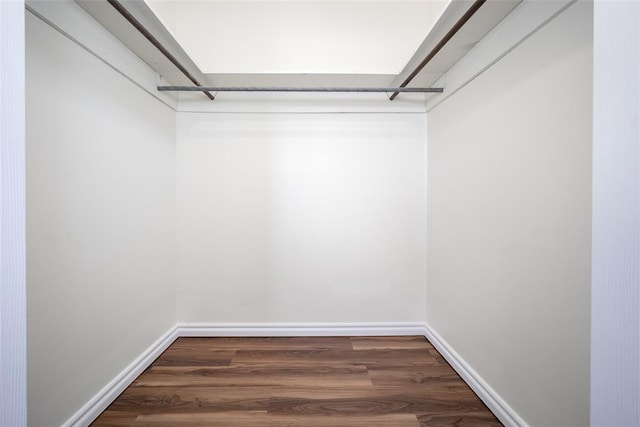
(279, 58)
(299, 36)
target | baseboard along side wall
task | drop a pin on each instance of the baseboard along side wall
(507, 415)
(94, 407)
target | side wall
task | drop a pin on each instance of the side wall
(301, 218)
(615, 333)
(100, 223)
(509, 223)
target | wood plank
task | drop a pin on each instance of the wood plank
(263, 419)
(177, 355)
(242, 376)
(390, 343)
(391, 403)
(114, 418)
(265, 343)
(303, 401)
(437, 376)
(418, 394)
(265, 370)
(469, 419)
(410, 357)
(438, 357)
(145, 400)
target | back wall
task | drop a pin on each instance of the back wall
(301, 217)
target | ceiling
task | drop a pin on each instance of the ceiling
(347, 43)
(299, 37)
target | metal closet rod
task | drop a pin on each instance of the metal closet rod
(452, 32)
(142, 30)
(298, 89)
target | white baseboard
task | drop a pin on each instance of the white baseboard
(297, 329)
(111, 391)
(494, 402)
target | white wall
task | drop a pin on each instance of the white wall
(100, 223)
(509, 223)
(301, 217)
(615, 337)
(13, 309)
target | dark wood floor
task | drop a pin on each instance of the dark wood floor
(339, 381)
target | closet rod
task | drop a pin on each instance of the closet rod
(452, 32)
(299, 89)
(156, 43)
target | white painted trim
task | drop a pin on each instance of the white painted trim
(298, 329)
(615, 261)
(13, 307)
(524, 21)
(112, 390)
(73, 22)
(269, 103)
(507, 415)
